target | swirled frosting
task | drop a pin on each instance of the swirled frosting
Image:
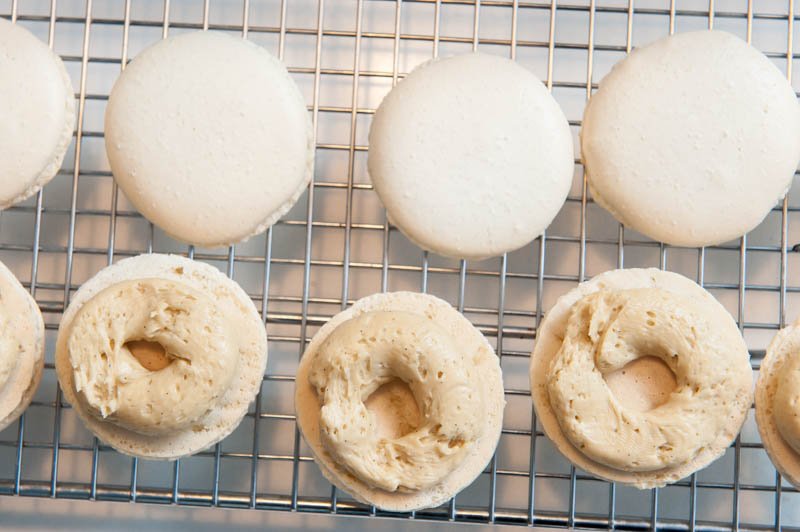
(368, 351)
(608, 329)
(786, 403)
(197, 338)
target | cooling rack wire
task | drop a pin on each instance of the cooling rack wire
(336, 246)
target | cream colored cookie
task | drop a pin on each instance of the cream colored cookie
(161, 407)
(21, 347)
(209, 137)
(692, 139)
(471, 156)
(37, 106)
(776, 417)
(607, 401)
(393, 411)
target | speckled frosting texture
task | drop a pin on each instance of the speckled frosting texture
(199, 341)
(692, 139)
(21, 347)
(776, 402)
(138, 435)
(371, 350)
(474, 350)
(720, 379)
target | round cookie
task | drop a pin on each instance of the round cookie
(21, 347)
(784, 347)
(37, 104)
(471, 156)
(230, 408)
(692, 139)
(640, 387)
(209, 138)
(468, 339)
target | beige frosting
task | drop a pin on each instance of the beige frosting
(777, 393)
(787, 401)
(9, 347)
(475, 354)
(608, 329)
(21, 347)
(197, 338)
(369, 351)
(653, 391)
(185, 286)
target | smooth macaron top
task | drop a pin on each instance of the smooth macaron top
(37, 106)
(209, 137)
(692, 139)
(471, 156)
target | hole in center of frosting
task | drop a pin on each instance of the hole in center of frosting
(642, 384)
(395, 410)
(151, 355)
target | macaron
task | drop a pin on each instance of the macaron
(101, 369)
(773, 388)
(37, 104)
(691, 140)
(646, 387)
(21, 347)
(209, 137)
(390, 409)
(471, 156)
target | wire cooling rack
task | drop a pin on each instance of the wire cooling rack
(336, 246)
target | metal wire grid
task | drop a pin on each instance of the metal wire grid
(288, 270)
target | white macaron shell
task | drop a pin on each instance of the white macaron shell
(471, 156)
(209, 137)
(692, 140)
(37, 106)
